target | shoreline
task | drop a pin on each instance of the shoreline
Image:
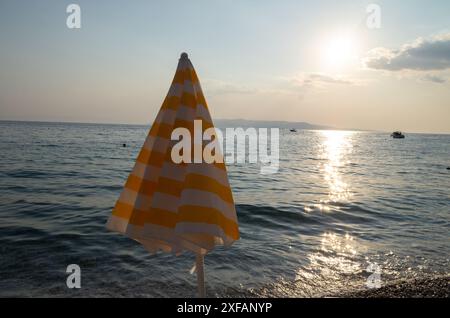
(436, 287)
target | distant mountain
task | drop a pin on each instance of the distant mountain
(223, 123)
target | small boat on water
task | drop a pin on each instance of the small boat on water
(293, 130)
(397, 135)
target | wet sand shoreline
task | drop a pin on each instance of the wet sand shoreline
(436, 287)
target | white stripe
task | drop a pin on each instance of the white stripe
(151, 236)
(152, 173)
(198, 90)
(117, 224)
(168, 116)
(138, 200)
(189, 87)
(177, 89)
(154, 244)
(128, 196)
(203, 112)
(211, 171)
(172, 203)
(190, 114)
(155, 237)
(185, 113)
(165, 201)
(177, 172)
(185, 229)
(144, 202)
(155, 232)
(208, 200)
(157, 144)
(173, 171)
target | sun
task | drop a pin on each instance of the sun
(340, 50)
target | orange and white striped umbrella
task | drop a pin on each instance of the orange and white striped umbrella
(177, 207)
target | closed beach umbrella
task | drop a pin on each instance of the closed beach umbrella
(174, 206)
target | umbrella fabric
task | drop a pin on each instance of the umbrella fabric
(176, 207)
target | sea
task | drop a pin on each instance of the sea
(346, 211)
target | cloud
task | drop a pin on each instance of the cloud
(217, 87)
(320, 79)
(421, 55)
(434, 79)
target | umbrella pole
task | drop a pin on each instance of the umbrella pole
(200, 275)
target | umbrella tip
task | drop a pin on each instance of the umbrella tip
(184, 56)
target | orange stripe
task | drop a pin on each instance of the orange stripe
(178, 77)
(169, 186)
(186, 213)
(157, 159)
(200, 182)
(201, 100)
(199, 214)
(140, 185)
(220, 165)
(140, 217)
(171, 102)
(179, 122)
(185, 75)
(151, 158)
(174, 187)
(192, 75)
(154, 216)
(188, 100)
(122, 210)
(162, 130)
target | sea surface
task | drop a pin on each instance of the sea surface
(346, 211)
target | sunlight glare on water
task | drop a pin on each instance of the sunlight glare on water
(336, 146)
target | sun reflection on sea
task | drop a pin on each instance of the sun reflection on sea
(337, 259)
(335, 263)
(337, 255)
(336, 146)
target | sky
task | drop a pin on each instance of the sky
(322, 62)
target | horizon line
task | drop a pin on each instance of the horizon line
(218, 119)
